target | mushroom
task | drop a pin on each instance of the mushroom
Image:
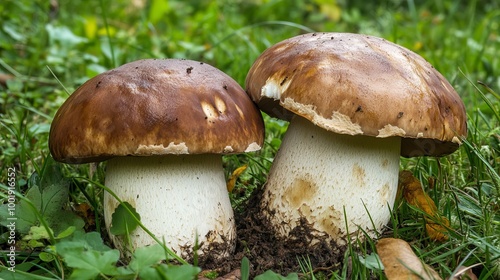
(355, 104)
(163, 125)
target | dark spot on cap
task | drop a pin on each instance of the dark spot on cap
(188, 70)
(284, 80)
(400, 114)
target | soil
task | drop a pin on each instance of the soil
(257, 241)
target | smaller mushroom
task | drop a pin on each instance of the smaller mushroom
(163, 126)
(355, 104)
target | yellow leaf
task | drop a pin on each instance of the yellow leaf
(104, 32)
(331, 10)
(417, 46)
(413, 193)
(232, 180)
(400, 263)
(437, 231)
(90, 27)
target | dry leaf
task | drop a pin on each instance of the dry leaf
(413, 193)
(437, 231)
(86, 213)
(4, 78)
(232, 180)
(463, 273)
(400, 263)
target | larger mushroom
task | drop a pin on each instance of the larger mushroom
(163, 125)
(355, 104)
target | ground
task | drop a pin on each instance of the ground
(256, 241)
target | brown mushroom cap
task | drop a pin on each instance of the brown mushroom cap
(360, 85)
(156, 107)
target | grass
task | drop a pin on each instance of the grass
(49, 50)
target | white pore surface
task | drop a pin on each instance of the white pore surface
(177, 197)
(318, 174)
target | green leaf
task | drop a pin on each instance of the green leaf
(150, 273)
(185, 271)
(245, 269)
(37, 233)
(12, 31)
(126, 273)
(48, 195)
(14, 85)
(371, 261)
(64, 223)
(53, 199)
(39, 129)
(270, 275)
(275, 143)
(51, 174)
(94, 240)
(35, 244)
(157, 11)
(23, 211)
(90, 264)
(146, 257)
(81, 242)
(146, 263)
(64, 36)
(67, 232)
(46, 257)
(21, 275)
(122, 221)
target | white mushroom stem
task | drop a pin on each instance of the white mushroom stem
(318, 174)
(178, 198)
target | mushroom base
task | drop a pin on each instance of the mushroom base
(320, 178)
(179, 198)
